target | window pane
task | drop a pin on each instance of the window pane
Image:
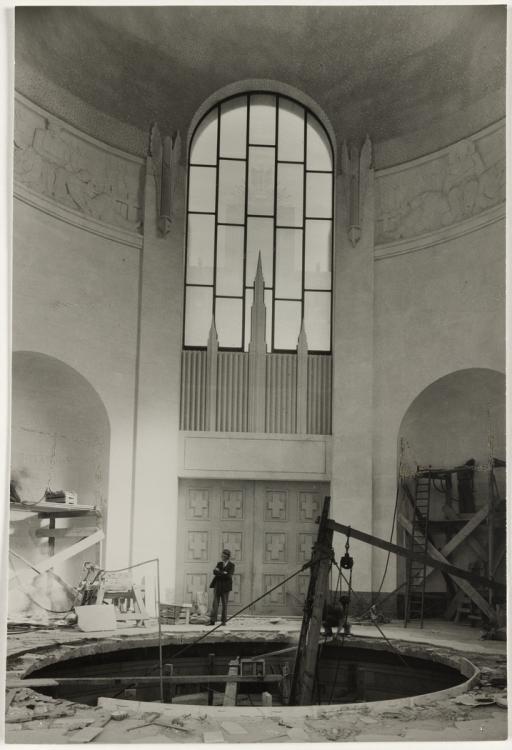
(287, 324)
(249, 295)
(290, 194)
(228, 320)
(200, 242)
(204, 143)
(318, 151)
(233, 128)
(261, 181)
(260, 239)
(198, 315)
(201, 189)
(317, 320)
(289, 263)
(319, 195)
(231, 192)
(291, 131)
(318, 254)
(230, 260)
(262, 126)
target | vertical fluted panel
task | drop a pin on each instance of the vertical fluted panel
(193, 389)
(281, 393)
(232, 392)
(319, 394)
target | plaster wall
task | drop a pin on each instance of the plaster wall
(437, 311)
(75, 297)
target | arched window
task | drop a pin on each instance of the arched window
(260, 183)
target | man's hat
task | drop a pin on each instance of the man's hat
(226, 552)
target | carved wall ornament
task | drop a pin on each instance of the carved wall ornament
(460, 183)
(54, 162)
(355, 168)
(165, 154)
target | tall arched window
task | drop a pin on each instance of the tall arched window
(260, 183)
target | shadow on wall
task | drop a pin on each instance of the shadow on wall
(60, 438)
(459, 417)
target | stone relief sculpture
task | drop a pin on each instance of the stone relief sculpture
(53, 162)
(165, 154)
(440, 193)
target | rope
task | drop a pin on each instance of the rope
(348, 562)
(209, 632)
(29, 596)
(393, 648)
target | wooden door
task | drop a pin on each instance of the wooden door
(268, 526)
(285, 530)
(214, 515)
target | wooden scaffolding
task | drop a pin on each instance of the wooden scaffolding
(456, 515)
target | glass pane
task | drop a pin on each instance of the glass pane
(249, 294)
(287, 324)
(318, 151)
(319, 195)
(262, 124)
(318, 254)
(290, 191)
(228, 320)
(291, 131)
(233, 128)
(200, 242)
(201, 189)
(260, 239)
(230, 260)
(198, 315)
(289, 263)
(317, 320)
(231, 192)
(261, 181)
(204, 142)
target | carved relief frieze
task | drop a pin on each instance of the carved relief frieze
(456, 184)
(54, 161)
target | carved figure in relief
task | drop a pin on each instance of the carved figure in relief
(52, 164)
(466, 188)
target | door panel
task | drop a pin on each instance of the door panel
(268, 526)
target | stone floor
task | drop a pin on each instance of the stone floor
(480, 714)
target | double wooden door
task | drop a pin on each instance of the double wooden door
(268, 526)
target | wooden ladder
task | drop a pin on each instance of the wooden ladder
(416, 571)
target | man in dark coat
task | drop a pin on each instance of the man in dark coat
(222, 584)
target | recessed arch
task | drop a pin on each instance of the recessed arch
(60, 438)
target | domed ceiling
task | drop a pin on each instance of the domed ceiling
(415, 78)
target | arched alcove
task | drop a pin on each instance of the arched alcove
(60, 438)
(459, 417)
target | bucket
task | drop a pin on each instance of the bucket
(95, 617)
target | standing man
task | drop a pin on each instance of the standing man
(222, 584)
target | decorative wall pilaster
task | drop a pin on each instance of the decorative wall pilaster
(351, 487)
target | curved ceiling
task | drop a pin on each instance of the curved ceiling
(415, 78)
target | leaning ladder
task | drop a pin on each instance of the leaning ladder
(416, 571)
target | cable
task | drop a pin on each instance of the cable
(29, 596)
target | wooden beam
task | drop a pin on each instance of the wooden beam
(461, 582)
(304, 671)
(179, 679)
(231, 688)
(433, 562)
(65, 554)
(461, 535)
(72, 533)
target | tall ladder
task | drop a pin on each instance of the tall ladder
(416, 571)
